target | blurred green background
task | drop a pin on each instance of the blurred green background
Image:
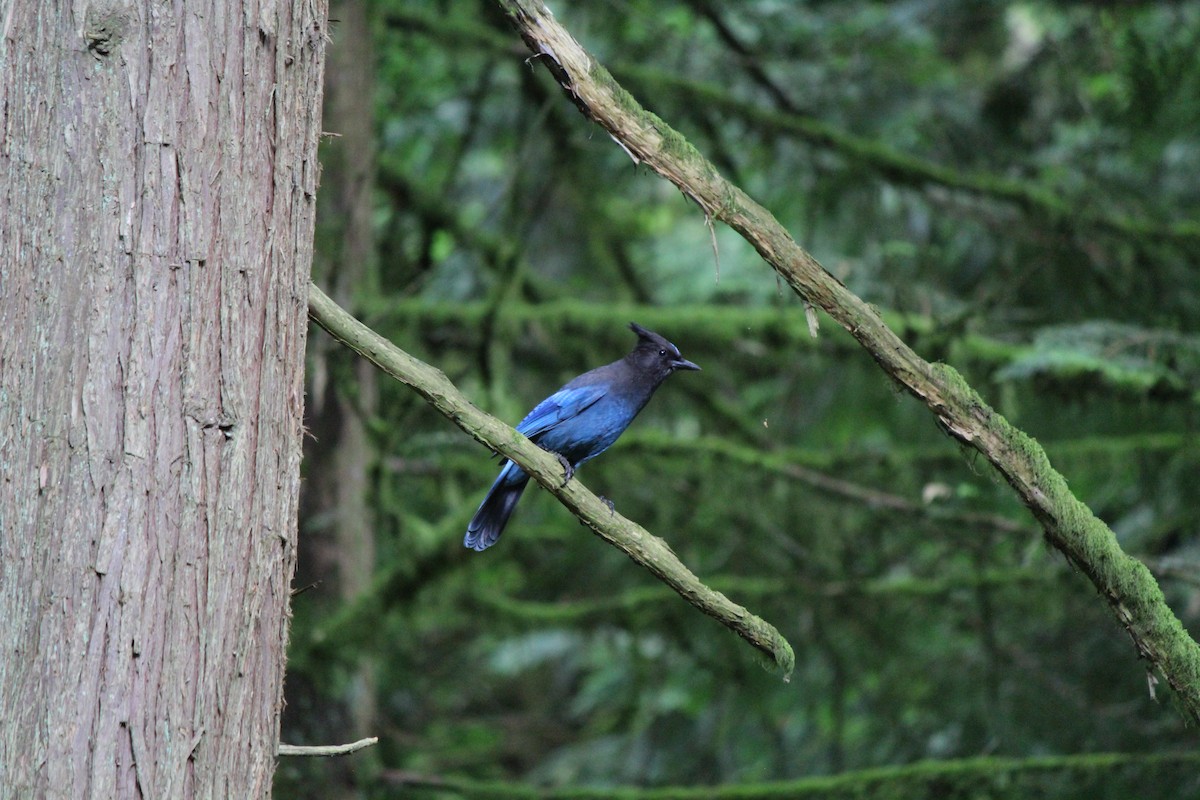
(1013, 185)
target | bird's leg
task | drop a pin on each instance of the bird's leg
(612, 509)
(568, 470)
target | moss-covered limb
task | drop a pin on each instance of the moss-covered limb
(1153, 376)
(562, 611)
(698, 323)
(1125, 583)
(633, 540)
(895, 166)
(964, 779)
(902, 456)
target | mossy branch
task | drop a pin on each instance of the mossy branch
(1040, 204)
(626, 535)
(1158, 374)
(946, 780)
(1125, 583)
(889, 590)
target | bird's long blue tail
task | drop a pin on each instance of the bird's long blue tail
(489, 521)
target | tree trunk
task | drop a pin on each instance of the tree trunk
(157, 174)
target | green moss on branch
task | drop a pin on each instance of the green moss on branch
(964, 779)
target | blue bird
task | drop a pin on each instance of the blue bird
(579, 422)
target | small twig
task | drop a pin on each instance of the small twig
(712, 234)
(810, 316)
(303, 589)
(326, 750)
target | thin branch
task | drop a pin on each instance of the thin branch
(1043, 205)
(924, 779)
(629, 537)
(745, 54)
(1048, 208)
(500, 254)
(1070, 526)
(1156, 378)
(887, 589)
(781, 464)
(326, 750)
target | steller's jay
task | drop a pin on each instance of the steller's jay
(579, 422)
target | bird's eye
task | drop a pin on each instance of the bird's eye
(662, 352)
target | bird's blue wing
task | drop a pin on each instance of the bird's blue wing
(562, 405)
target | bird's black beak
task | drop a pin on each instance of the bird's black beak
(683, 363)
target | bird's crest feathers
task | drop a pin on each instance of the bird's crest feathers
(657, 354)
(653, 339)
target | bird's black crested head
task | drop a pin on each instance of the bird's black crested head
(655, 356)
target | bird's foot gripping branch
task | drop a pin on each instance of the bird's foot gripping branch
(544, 467)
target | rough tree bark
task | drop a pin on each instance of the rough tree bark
(157, 173)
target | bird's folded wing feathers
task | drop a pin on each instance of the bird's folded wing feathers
(562, 405)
